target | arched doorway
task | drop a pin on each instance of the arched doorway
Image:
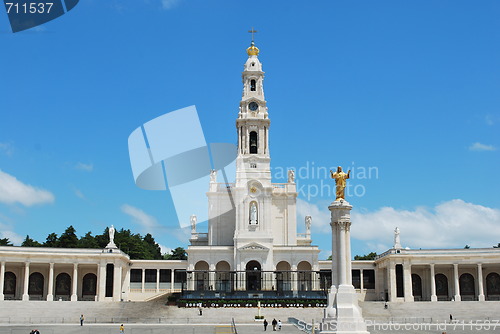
(416, 284)
(89, 285)
(493, 286)
(442, 287)
(283, 276)
(9, 285)
(253, 276)
(201, 276)
(467, 288)
(304, 276)
(35, 286)
(223, 276)
(63, 286)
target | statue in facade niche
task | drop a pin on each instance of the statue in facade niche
(291, 176)
(253, 214)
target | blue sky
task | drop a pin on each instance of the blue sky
(406, 88)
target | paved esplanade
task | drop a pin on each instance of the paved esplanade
(144, 329)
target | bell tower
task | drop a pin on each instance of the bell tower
(252, 124)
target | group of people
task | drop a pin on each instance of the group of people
(274, 323)
(35, 331)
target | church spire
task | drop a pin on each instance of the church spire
(252, 50)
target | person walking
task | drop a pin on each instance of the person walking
(122, 329)
(265, 325)
(81, 320)
(279, 325)
(274, 323)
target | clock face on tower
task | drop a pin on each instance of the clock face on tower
(253, 106)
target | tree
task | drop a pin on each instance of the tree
(152, 247)
(5, 242)
(176, 254)
(88, 241)
(370, 256)
(68, 239)
(28, 242)
(51, 241)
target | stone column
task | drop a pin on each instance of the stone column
(50, 292)
(157, 280)
(342, 309)
(126, 284)
(408, 288)
(295, 279)
(74, 291)
(433, 284)
(26, 281)
(2, 279)
(211, 277)
(457, 283)
(117, 283)
(172, 277)
(101, 279)
(143, 280)
(361, 283)
(392, 282)
(480, 282)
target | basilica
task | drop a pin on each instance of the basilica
(251, 250)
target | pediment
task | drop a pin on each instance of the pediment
(254, 247)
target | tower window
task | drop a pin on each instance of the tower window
(253, 142)
(252, 85)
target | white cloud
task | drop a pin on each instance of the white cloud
(320, 217)
(84, 167)
(14, 191)
(148, 223)
(168, 4)
(451, 224)
(164, 249)
(7, 149)
(481, 147)
(78, 193)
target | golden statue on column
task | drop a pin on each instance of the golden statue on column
(340, 180)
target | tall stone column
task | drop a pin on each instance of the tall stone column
(457, 283)
(2, 279)
(480, 282)
(172, 277)
(74, 291)
(433, 284)
(117, 283)
(50, 292)
(392, 281)
(143, 280)
(101, 279)
(342, 315)
(26, 281)
(126, 284)
(408, 288)
(157, 280)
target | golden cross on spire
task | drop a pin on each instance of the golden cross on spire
(252, 32)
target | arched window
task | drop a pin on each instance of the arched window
(493, 286)
(252, 85)
(35, 285)
(89, 285)
(9, 285)
(63, 284)
(253, 142)
(416, 283)
(442, 287)
(467, 289)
